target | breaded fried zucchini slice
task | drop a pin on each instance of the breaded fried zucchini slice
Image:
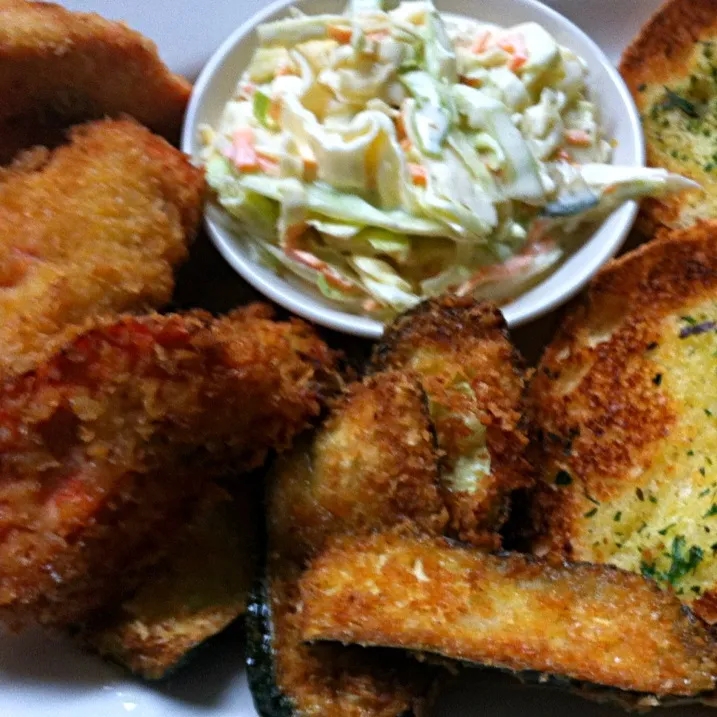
(587, 623)
(372, 465)
(200, 587)
(626, 401)
(475, 385)
(671, 70)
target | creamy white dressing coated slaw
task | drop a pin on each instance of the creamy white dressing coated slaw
(383, 157)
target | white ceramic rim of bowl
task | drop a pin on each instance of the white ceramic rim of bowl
(517, 312)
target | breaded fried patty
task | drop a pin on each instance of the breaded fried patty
(473, 378)
(671, 71)
(626, 400)
(104, 446)
(58, 68)
(96, 226)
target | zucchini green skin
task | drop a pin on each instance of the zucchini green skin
(269, 700)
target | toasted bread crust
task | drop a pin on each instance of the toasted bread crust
(670, 53)
(623, 400)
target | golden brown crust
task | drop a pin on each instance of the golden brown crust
(194, 592)
(623, 398)
(114, 436)
(586, 622)
(475, 384)
(332, 680)
(372, 465)
(669, 52)
(96, 226)
(58, 68)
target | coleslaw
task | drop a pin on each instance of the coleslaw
(386, 156)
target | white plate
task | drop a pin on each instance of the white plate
(40, 677)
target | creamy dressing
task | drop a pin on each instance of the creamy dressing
(384, 157)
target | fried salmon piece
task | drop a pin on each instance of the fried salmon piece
(590, 624)
(475, 384)
(193, 593)
(670, 70)
(95, 226)
(104, 447)
(59, 68)
(371, 466)
(625, 398)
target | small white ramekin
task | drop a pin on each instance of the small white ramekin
(216, 85)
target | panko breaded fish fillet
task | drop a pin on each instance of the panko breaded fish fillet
(58, 68)
(671, 71)
(625, 398)
(104, 446)
(475, 385)
(95, 226)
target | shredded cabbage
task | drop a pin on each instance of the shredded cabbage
(385, 156)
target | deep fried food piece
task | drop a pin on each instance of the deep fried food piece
(199, 588)
(473, 378)
(626, 400)
(591, 623)
(59, 68)
(95, 226)
(104, 446)
(670, 69)
(372, 465)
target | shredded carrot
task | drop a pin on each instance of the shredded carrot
(284, 69)
(406, 144)
(515, 45)
(419, 175)
(247, 90)
(577, 137)
(243, 153)
(471, 81)
(562, 154)
(378, 35)
(400, 125)
(311, 168)
(370, 305)
(482, 42)
(332, 277)
(275, 110)
(514, 266)
(340, 33)
(517, 62)
(610, 189)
